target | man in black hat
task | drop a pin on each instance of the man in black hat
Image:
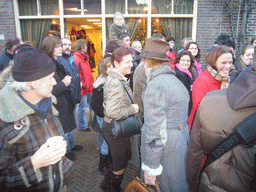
(32, 148)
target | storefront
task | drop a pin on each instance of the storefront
(90, 20)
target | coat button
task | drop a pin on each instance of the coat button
(181, 127)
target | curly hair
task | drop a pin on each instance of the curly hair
(181, 54)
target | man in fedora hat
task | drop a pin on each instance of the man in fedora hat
(165, 102)
(32, 147)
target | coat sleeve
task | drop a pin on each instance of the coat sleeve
(59, 88)
(200, 88)
(139, 82)
(156, 102)
(115, 107)
(195, 155)
(15, 172)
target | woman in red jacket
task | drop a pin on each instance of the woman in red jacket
(220, 61)
(81, 59)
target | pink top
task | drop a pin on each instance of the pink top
(184, 70)
(198, 67)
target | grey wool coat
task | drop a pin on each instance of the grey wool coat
(165, 132)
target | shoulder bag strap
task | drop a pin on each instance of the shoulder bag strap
(127, 92)
(244, 133)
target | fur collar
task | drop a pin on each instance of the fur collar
(12, 107)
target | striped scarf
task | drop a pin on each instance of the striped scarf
(224, 80)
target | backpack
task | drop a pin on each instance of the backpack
(97, 101)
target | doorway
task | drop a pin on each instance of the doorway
(89, 29)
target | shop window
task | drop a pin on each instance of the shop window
(55, 28)
(178, 28)
(139, 33)
(172, 6)
(27, 7)
(113, 6)
(49, 7)
(72, 7)
(137, 7)
(92, 7)
(183, 6)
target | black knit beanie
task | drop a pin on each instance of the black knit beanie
(31, 64)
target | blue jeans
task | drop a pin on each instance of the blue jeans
(101, 144)
(69, 137)
(81, 115)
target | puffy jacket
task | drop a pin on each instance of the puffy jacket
(117, 103)
(219, 112)
(84, 72)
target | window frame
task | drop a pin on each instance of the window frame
(103, 17)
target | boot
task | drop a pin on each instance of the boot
(116, 184)
(103, 169)
(111, 182)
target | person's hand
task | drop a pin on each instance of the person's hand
(136, 107)
(49, 154)
(150, 180)
(67, 80)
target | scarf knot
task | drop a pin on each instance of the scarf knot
(224, 80)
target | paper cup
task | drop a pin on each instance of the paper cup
(55, 140)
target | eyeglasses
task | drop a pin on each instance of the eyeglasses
(193, 48)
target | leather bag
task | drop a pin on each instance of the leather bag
(126, 127)
(137, 185)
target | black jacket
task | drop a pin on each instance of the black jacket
(5, 58)
(65, 103)
(188, 82)
(73, 71)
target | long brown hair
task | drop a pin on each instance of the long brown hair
(49, 43)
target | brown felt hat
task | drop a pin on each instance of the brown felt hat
(156, 49)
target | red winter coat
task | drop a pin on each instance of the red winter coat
(84, 72)
(171, 55)
(202, 85)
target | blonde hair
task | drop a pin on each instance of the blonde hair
(185, 41)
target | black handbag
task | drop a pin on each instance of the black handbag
(126, 127)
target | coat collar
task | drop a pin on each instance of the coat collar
(164, 69)
(12, 107)
(114, 73)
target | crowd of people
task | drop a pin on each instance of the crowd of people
(186, 111)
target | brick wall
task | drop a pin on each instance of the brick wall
(213, 19)
(7, 23)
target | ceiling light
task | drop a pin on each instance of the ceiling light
(93, 20)
(86, 26)
(75, 9)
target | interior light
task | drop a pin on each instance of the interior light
(93, 20)
(75, 9)
(86, 26)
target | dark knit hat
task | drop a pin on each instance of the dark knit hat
(222, 38)
(31, 64)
